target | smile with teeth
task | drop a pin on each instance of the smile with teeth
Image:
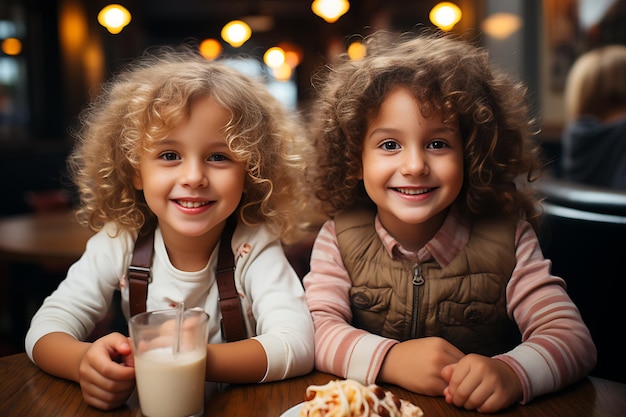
(192, 204)
(413, 191)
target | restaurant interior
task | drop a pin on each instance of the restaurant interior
(54, 54)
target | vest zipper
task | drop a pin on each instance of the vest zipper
(418, 281)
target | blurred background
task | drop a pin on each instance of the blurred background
(54, 54)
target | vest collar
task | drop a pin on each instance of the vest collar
(443, 247)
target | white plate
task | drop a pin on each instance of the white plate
(293, 411)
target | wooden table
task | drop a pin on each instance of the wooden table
(27, 391)
(42, 237)
(50, 241)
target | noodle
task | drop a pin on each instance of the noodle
(349, 398)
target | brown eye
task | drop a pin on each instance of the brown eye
(169, 156)
(218, 157)
(437, 144)
(390, 145)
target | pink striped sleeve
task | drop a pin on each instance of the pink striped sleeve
(556, 348)
(340, 348)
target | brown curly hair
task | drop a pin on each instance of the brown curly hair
(445, 74)
(147, 100)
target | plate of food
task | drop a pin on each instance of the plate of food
(349, 398)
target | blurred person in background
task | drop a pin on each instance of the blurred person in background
(594, 139)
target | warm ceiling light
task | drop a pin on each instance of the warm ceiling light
(236, 33)
(501, 25)
(210, 48)
(356, 51)
(445, 15)
(114, 17)
(11, 46)
(274, 57)
(293, 53)
(330, 10)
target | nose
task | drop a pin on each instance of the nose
(194, 174)
(414, 163)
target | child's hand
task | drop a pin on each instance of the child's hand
(416, 365)
(106, 374)
(481, 383)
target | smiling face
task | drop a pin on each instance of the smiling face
(190, 179)
(412, 168)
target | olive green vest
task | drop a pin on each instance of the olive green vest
(464, 302)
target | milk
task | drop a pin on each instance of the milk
(170, 385)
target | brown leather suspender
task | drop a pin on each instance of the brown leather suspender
(139, 269)
(233, 325)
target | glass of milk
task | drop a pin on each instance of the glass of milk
(169, 349)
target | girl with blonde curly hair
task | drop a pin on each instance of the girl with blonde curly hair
(429, 275)
(182, 147)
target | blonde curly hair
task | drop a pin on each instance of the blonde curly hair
(445, 74)
(153, 95)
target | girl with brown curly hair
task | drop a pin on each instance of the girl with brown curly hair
(184, 144)
(429, 274)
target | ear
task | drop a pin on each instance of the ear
(137, 182)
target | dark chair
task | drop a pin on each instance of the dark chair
(584, 234)
(299, 254)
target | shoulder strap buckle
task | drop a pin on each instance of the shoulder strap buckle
(232, 323)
